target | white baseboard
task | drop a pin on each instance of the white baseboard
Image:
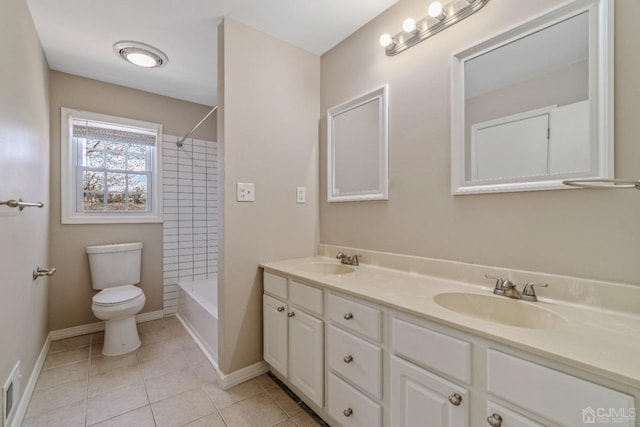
(244, 374)
(149, 316)
(99, 326)
(226, 381)
(76, 331)
(21, 410)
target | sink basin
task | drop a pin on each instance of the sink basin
(325, 268)
(501, 310)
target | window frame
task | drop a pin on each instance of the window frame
(70, 191)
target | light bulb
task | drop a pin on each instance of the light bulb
(386, 40)
(435, 10)
(141, 59)
(409, 25)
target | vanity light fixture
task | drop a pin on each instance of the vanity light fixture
(140, 54)
(439, 17)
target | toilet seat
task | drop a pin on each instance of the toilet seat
(117, 295)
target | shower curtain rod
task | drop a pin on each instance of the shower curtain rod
(181, 142)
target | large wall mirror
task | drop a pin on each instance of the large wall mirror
(534, 105)
(357, 148)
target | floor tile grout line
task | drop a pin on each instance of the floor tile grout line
(146, 390)
(86, 394)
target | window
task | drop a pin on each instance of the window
(110, 169)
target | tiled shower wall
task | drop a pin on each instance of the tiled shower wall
(190, 199)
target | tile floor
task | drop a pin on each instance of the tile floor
(166, 382)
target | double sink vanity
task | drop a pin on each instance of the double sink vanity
(402, 341)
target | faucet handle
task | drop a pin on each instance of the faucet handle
(341, 255)
(355, 260)
(529, 293)
(499, 288)
(499, 280)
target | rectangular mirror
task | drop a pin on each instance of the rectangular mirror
(533, 105)
(357, 148)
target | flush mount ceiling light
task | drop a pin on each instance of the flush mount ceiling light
(140, 54)
(439, 17)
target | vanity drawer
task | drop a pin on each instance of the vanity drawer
(432, 350)
(351, 408)
(554, 395)
(275, 285)
(355, 359)
(510, 418)
(306, 297)
(353, 315)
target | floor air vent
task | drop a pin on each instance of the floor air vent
(10, 393)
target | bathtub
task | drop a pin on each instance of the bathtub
(198, 311)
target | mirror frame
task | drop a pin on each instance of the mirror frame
(382, 192)
(601, 76)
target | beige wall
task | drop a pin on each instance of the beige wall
(584, 233)
(71, 291)
(24, 172)
(268, 134)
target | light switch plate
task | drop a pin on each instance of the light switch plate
(301, 195)
(246, 192)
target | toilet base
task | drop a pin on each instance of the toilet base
(120, 336)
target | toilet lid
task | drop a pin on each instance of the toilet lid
(117, 295)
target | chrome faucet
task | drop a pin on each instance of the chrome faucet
(348, 260)
(508, 289)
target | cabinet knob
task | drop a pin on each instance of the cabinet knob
(494, 420)
(280, 309)
(455, 399)
(347, 412)
(348, 359)
(348, 316)
(291, 314)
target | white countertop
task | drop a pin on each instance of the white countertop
(601, 342)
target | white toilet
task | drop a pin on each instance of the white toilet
(115, 269)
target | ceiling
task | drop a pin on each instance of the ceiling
(78, 35)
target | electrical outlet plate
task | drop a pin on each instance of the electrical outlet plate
(10, 393)
(301, 195)
(246, 192)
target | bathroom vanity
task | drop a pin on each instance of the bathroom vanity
(404, 341)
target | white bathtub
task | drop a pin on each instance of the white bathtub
(198, 311)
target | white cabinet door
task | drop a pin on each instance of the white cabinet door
(306, 346)
(419, 398)
(275, 351)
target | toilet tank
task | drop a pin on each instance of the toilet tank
(114, 265)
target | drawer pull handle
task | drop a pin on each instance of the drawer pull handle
(494, 420)
(347, 412)
(348, 359)
(348, 316)
(455, 399)
(280, 309)
(291, 314)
